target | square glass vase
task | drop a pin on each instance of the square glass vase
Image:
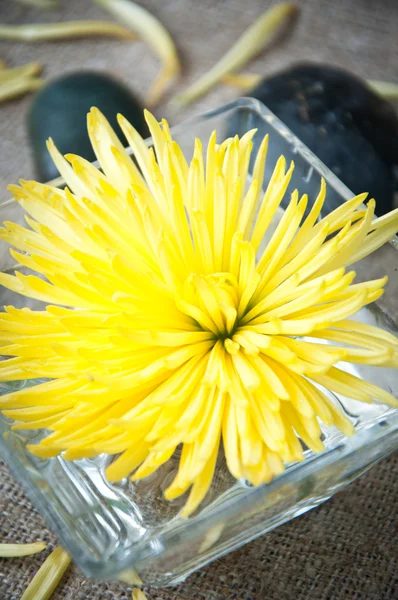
(128, 530)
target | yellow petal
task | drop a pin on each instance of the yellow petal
(66, 30)
(138, 594)
(247, 47)
(149, 28)
(48, 576)
(15, 550)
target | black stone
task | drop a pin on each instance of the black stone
(352, 129)
(59, 111)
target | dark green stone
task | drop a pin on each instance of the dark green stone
(59, 111)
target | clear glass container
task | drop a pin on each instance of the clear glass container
(114, 531)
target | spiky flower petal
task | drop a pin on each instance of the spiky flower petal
(171, 322)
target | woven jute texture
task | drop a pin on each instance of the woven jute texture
(348, 547)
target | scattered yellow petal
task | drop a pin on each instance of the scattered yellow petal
(14, 550)
(19, 86)
(28, 70)
(138, 594)
(211, 537)
(48, 576)
(149, 29)
(387, 89)
(40, 3)
(251, 43)
(130, 576)
(42, 32)
(17, 81)
(243, 81)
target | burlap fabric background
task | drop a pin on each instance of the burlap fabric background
(348, 548)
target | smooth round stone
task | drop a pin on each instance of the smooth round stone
(60, 109)
(352, 129)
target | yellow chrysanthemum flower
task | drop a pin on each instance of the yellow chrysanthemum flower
(171, 322)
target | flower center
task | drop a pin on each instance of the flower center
(215, 301)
